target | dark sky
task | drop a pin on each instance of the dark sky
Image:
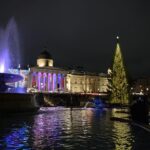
(82, 32)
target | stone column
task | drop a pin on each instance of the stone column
(51, 81)
(39, 81)
(56, 83)
(36, 80)
(54, 80)
(48, 82)
(62, 82)
(44, 81)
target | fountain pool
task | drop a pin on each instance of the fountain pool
(71, 129)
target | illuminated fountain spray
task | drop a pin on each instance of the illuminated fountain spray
(9, 46)
(95, 103)
(9, 54)
(13, 99)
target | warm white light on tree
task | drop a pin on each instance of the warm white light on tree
(119, 84)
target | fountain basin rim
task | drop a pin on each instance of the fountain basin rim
(10, 78)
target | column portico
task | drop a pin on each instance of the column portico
(47, 79)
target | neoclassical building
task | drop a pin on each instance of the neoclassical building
(46, 78)
(86, 82)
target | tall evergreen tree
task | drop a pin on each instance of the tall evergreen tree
(119, 85)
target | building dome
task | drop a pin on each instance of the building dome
(45, 59)
(45, 55)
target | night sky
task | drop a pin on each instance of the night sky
(83, 32)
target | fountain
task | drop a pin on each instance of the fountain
(94, 103)
(8, 78)
(10, 54)
(9, 46)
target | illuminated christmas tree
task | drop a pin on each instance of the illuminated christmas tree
(119, 85)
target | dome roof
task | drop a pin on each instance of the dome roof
(45, 55)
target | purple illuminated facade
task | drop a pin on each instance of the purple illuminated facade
(49, 80)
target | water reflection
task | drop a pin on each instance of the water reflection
(50, 127)
(16, 139)
(71, 129)
(123, 138)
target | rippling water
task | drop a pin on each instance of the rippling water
(63, 128)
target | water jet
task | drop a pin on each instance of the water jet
(10, 99)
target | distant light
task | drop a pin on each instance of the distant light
(117, 37)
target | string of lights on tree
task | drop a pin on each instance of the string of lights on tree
(118, 80)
